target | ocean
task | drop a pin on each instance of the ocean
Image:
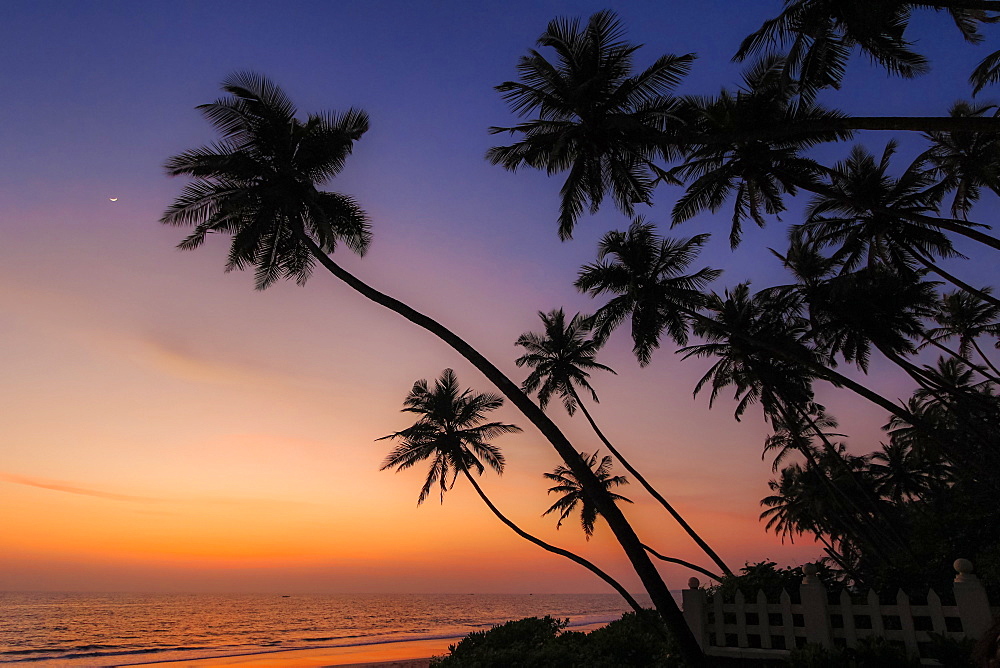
(75, 629)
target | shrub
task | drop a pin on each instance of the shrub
(516, 643)
(629, 642)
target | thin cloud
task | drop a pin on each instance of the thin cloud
(69, 488)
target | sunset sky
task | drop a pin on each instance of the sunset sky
(164, 427)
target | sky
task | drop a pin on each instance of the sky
(167, 428)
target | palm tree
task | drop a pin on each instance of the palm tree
(901, 473)
(872, 217)
(968, 419)
(561, 359)
(822, 34)
(646, 273)
(596, 117)
(591, 115)
(756, 171)
(452, 433)
(796, 432)
(793, 508)
(573, 494)
(966, 161)
(645, 276)
(987, 72)
(961, 314)
(260, 184)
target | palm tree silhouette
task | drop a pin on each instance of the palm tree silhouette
(755, 171)
(591, 115)
(260, 184)
(963, 315)
(871, 217)
(561, 358)
(794, 432)
(645, 276)
(452, 433)
(596, 117)
(822, 34)
(901, 472)
(967, 162)
(645, 273)
(573, 494)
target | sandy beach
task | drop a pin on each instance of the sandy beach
(405, 654)
(408, 654)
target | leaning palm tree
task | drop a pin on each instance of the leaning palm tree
(561, 360)
(644, 274)
(573, 495)
(589, 114)
(261, 184)
(452, 433)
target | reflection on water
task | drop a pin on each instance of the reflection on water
(48, 629)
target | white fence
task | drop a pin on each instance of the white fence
(761, 629)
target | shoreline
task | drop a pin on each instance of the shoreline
(400, 654)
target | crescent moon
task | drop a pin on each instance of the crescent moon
(113, 199)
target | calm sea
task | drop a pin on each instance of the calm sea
(72, 629)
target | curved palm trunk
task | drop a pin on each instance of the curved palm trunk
(823, 372)
(991, 5)
(985, 358)
(964, 360)
(879, 524)
(959, 227)
(552, 548)
(627, 538)
(652, 491)
(854, 516)
(686, 564)
(847, 124)
(954, 280)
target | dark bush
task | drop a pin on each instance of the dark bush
(629, 642)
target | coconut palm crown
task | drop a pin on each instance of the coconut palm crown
(451, 432)
(596, 116)
(559, 359)
(573, 494)
(259, 182)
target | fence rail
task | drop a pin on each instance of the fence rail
(757, 628)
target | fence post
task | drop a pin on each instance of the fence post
(814, 608)
(970, 597)
(695, 612)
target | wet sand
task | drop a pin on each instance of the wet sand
(407, 654)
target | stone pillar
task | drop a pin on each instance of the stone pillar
(970, 597)
(814, 608)
(696, 612)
